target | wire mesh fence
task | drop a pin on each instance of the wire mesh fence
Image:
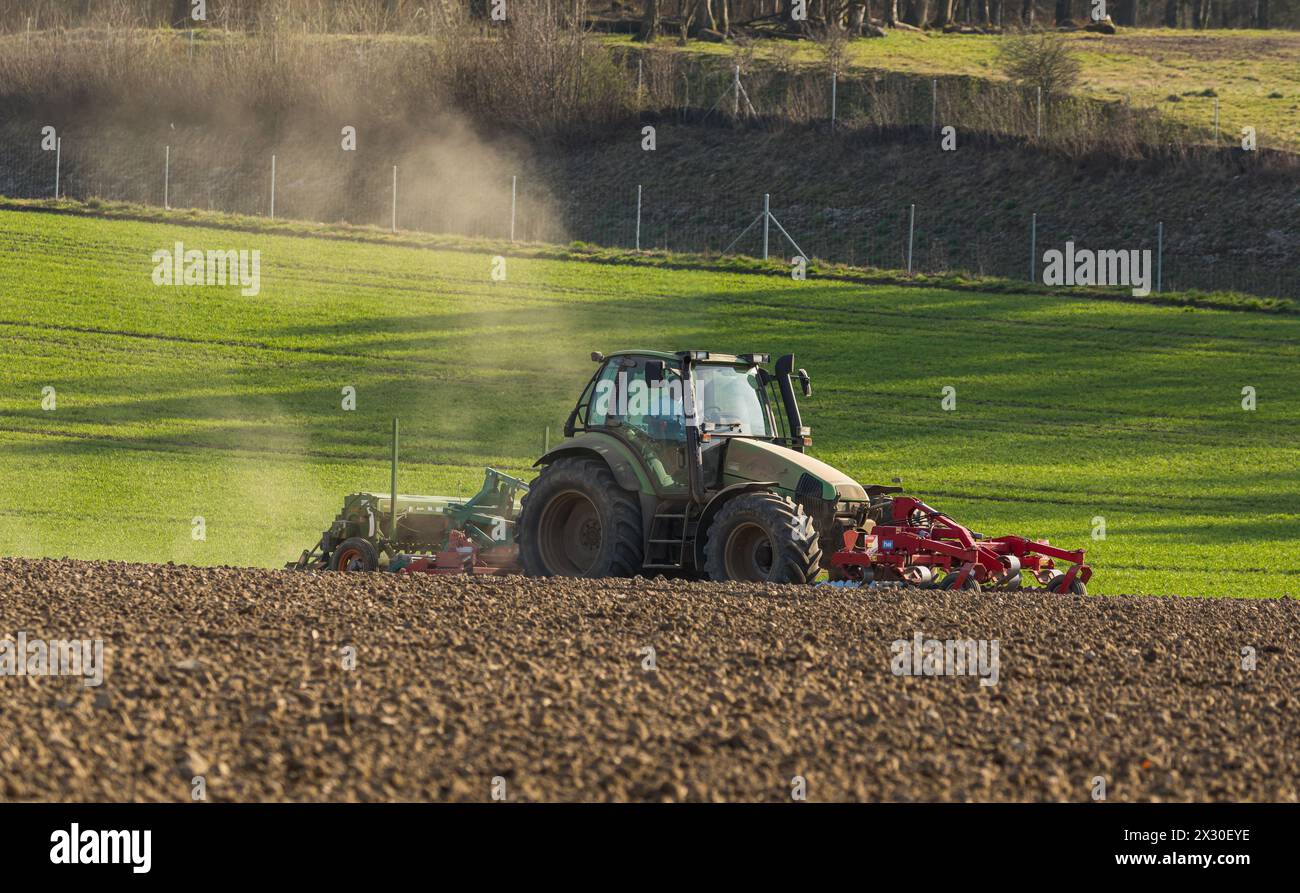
(410, 191)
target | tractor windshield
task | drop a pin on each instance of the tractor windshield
(733, 400)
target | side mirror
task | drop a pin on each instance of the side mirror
(654, 372)
(805, 383)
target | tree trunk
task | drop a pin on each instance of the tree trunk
(1027, 13)
(1062, 11)
(1171, 13)
(180, 13)
(918, 13)
(1126, 13)
(857, 15)
(946, 16)
(891, 12)
(703, 17)
(650, 21)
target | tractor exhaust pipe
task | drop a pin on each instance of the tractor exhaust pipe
(392, 491)
(784, 369)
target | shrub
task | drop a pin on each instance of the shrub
(1040, 60)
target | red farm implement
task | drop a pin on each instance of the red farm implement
(916, 545)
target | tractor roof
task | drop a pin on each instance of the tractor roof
(657, 354)
(701, 356)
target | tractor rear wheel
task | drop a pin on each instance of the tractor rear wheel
(576, 521)
(354, 554)
(762, 537)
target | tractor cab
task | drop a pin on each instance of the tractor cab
(652, 400)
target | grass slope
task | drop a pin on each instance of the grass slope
(1253, 73)
(175, 403)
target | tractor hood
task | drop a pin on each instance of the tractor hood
(758, 460)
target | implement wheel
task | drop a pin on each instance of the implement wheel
(762, 537)
(575, 521)
(950, 582)
(1056, 584)
(354, 554)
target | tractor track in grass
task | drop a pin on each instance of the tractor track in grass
(236, 675)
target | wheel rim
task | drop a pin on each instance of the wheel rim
(351, 560)
(748, 553)
(571, 534)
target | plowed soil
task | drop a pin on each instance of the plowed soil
(239, 676)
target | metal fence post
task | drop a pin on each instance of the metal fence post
(513, 181)
(911, 229)
(167, 179)
(767, 216)
(272, 187)
(394, 198)
(934, 106)
(834, 95)
(638, 217)
(58, 164)
(735, 99)
(1033, 248)
(1160, 256)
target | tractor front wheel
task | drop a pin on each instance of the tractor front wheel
(762, 537)
(354, 554)
(576, 521)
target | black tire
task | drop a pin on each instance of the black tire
(354, 554)
(762, 537)
(576, 521)
(1078, 587)
(950, 582)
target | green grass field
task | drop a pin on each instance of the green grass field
(1179, 72)
(175, 403)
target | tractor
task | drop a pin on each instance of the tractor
(691, 464)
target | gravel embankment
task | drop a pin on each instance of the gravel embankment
(237, 675)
